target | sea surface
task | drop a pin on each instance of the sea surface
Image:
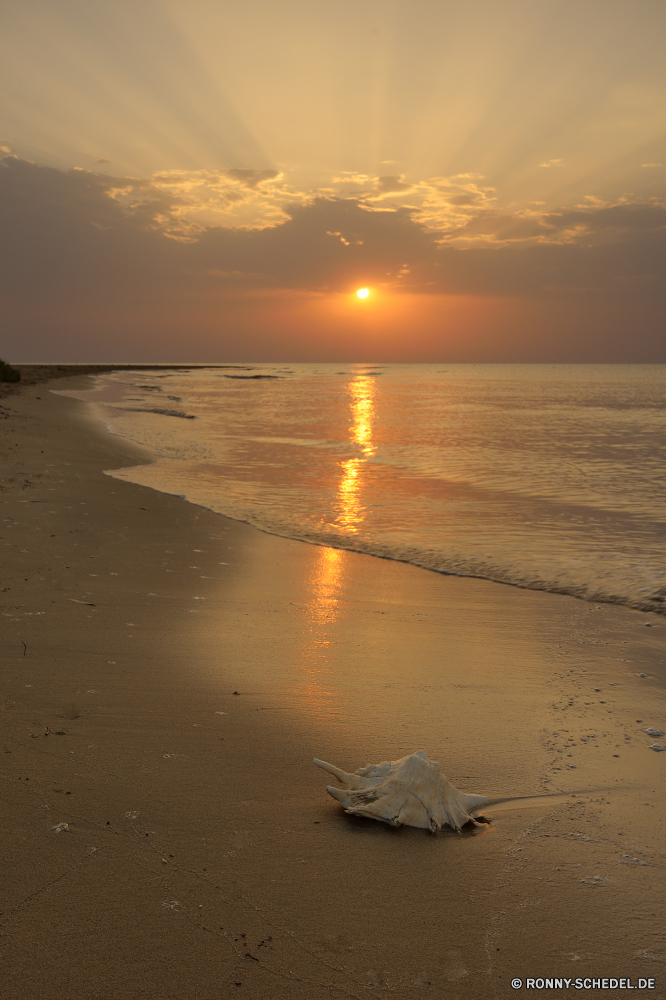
(551, 477)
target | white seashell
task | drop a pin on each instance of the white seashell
(407, 792)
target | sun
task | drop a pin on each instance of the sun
(363, 293)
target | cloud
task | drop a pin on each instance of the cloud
(252, 178)
(392, 184)
(650, 166)
(353, 177)
(447, 204)
(551, 163)
(184, 202)
(625, 220)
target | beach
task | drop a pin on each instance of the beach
(168, 675)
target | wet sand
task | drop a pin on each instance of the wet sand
(167, 676)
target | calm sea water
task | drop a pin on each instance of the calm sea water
(550, 477)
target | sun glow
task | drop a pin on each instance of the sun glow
(363, 293)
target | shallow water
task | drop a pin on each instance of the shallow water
(544, 476)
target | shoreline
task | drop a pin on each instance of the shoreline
(640, 600)
(210, 836)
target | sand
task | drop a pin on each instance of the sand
(167, 676)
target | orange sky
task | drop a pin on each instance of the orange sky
(212, 182)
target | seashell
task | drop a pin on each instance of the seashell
(411, 791)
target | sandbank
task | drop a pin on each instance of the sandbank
(167, 676)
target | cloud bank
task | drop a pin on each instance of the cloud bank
(81, 246)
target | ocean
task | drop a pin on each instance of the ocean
(550, 477)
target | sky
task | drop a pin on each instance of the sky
(208, 181)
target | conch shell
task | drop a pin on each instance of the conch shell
(407, 792)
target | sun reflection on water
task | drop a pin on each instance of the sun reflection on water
(351, 509)
(363, 412)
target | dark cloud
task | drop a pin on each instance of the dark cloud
(389, 184)
(323, 246)
(553, 270)
(593, 225)
(625, 219)
(470, 198)
(251, 178)
(62, 232)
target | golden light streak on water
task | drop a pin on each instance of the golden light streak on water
(351, 509)
(363, 412)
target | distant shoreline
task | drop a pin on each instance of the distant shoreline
(36, 374)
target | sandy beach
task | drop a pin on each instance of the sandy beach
(167, 677)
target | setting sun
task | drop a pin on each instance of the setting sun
(363, 293)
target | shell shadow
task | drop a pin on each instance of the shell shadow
(483, 815)
(533, 801)
(370, 827)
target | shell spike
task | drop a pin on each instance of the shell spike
(346, 780)
(338, 793)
